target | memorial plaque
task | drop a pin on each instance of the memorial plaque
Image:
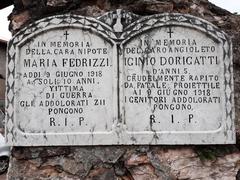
(62, 75)
(174, 84)
(120, 79)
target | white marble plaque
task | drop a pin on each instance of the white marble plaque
(64, 84)
(120, 79)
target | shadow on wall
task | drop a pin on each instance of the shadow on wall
(3, 49)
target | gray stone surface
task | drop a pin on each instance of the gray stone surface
(3, 49)
(125, 162)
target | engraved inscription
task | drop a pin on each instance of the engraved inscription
(65, 82)
(171, 80)
(119, 79)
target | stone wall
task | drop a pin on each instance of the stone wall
(129, 162)
(3, 49)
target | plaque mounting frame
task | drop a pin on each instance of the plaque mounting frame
(118, 27)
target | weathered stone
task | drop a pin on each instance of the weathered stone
(27, 3)
(94, 11)
(160, 163)
(149, 7)
(57, 2)
(31, 169)
(137, 159)
(18, 20)
(120, 169)
(158, 7)
(237, 98)
(161, 169)
(35, 152)
(144, 172)
(109, 155)
(3, 47)
(2, 91)
(184, 162)
(78, 126)
(202, 9)
(238, 175)
(101, 174)
(65, 164)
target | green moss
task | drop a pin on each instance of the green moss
(213, 152)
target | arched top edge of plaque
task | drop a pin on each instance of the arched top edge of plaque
(65, 28)
(121, 24)
(174, 19)
(62, 21)
(128, 23)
